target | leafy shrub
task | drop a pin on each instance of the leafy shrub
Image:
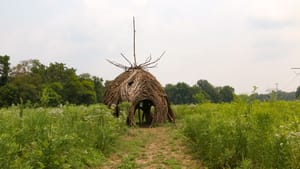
(66, 137)
(234, 136)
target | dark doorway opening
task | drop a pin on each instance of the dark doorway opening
(145, 110)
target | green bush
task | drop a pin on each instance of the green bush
(66, 137)
(267, 135)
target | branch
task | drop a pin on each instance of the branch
(134, 42)
(148, 59)
(153, 66)
(118, 64)
(126, 59)
(155, 61)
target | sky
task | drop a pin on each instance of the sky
(240, 43)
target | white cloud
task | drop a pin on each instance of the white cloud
(238, 43)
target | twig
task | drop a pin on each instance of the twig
(118, 64)
(148, 59)
(155, 61)
(153, 66)
(126, 59)
(134, 42)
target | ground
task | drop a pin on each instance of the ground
(160, 147)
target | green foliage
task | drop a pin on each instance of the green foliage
(4, 69)
(203, 92)
(241, 98)
(229, 136)
(9, 95)
(99, 89)
(58, 72)
(210, 91)
(66, 137)
(181, 93)
(50, 97)
(298, 93)
(128, 163)
(200, 97)
(277, 95)
(43, 85)
(28, 87)
(87, 94)
(226, 94)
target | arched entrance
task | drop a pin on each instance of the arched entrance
(145, 110)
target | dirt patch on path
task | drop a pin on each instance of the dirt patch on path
(151, 148)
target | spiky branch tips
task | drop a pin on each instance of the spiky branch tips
(145, 65)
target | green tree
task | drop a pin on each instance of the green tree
(27, 89)
(71, 90)
(59, 72)
(31, 81)
(66, 77)
(29, 84)
(226, 94)
(87, 94)
(298, 93)
(181, 93)
(4, 69)
(281, 95)
(9, 95)
(56, 86)
(241, 98)
(200, 97)
(209, 90)
(24, 67)
(38, 69)
(99, 89)
(50, 97)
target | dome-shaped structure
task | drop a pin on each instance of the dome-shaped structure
(143, 91)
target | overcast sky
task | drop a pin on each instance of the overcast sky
(240, 43)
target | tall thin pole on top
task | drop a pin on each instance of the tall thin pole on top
(134, 42)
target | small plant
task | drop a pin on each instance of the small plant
(128, 163)
(225, 138)
(66, 137)
(21, 108)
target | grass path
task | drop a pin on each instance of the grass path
(160, 147)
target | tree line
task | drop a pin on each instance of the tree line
(202, 92)
(33, 83)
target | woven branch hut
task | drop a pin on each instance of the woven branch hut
(141, 89)
(145, 94)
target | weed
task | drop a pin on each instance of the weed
(66, 137)
(266, 135)
(128, 163)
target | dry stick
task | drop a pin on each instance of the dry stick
(148, 65)
(126, 59)
(153, 66)
(148, 59)
(118, 64)
(134, 42)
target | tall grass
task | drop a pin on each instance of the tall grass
(240, 135)
(66, 137)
